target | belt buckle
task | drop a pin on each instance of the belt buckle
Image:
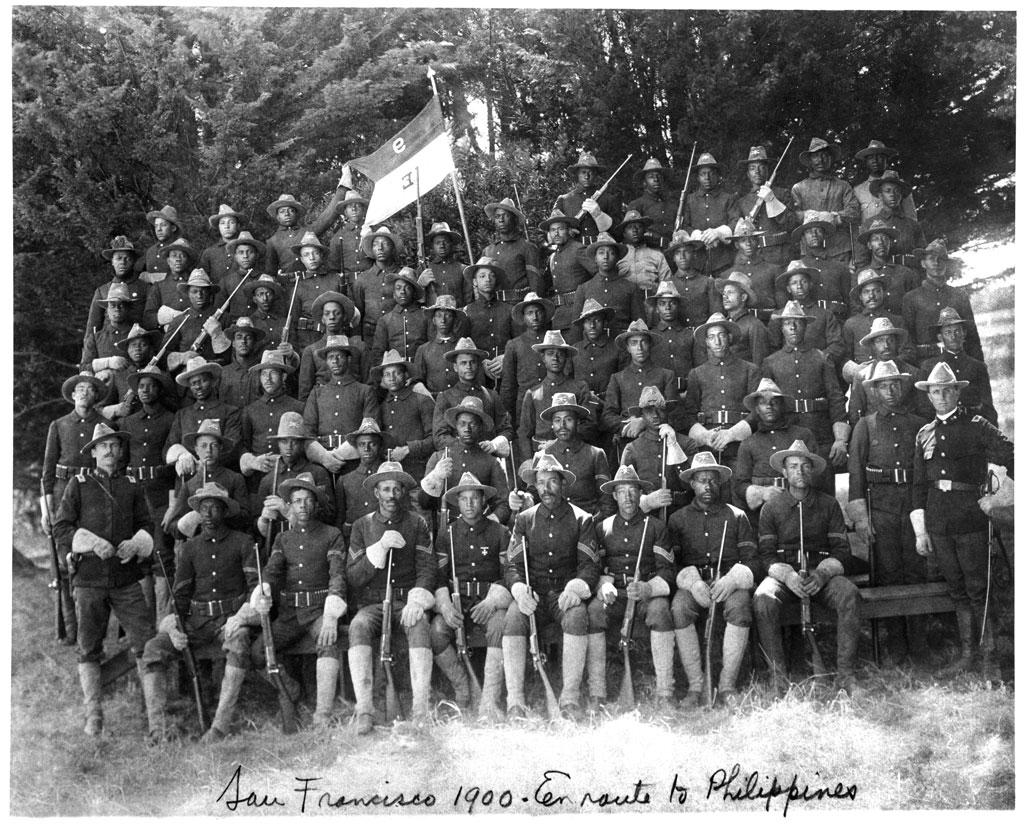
(945, 485)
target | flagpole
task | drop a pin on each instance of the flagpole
(420, 252)
(455, 181)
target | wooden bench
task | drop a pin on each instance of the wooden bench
(886, 601)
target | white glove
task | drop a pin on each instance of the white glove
(246, 615)
(493, 366)
(433, 483)
(185, 466)
(737, 432)
(346, 452)
(773, 206)
(377, 553)
(633, 427)
(924, 544)
(117, 363)
(250, 463)
(426, 278)
(45, 512)
(188, 524)
(701, 434)
(656, 500)
(766, 194)
(422, 390)
(759, 494)
(795, 584)
(850, 370)
(701, 593)
(165, 314)
(639, 591)
(675, 455)
(316, 453)
(274, 508)
(828, 568)
(176, 360)
(346, 178)
(858, 510)
(419, 601)
(520, 500)
(85, 541)
(400, 453)
(498, 446)
(836, 217)
(666, 433)
(334, 609)
(498, 599)
(575, 591)
(140, 545)
(606, 590)
(592, 207)
(169, 626)
(261, 601)
(525, 598)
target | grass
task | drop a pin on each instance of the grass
(909, 743)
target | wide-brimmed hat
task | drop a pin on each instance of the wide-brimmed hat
(545, 463)
(212, 428)
(166, 213)
(681, 239)
(366, 242)
(626, 475)
(392, 357)
(180, 244)
(439, 229)
(757, 153)
(885, 370)
(797, 267)
(222, 212)
(389, 471)
(890, 176)
(69, 385)
(877, 226)
(637, 328)
(263, 281)
(592, 307)
(212, 490)
(505, 204)
(813, 219)
(309, 240)
(368, 426)
(707, 160)
(881, 326)
(742, 282)
(563, 402)
(745, 229)
(866, 276)
(353, 197)
(102, 432)
(474, 406)
(408, 275)
(632, 217)
(198, 279)
(935, 248)
(165, 380)
(553, 340)
(585, 160)
(468, 482)
(941, 375)
(875, 148)
(652, 165)
(651, 396)
(198, 366)
(469, 272)
(815, 146)
(291, 425)
(777, 460)
(947, 317)
(118, 293)
(303, 481)
(316, 310)
(606, 240)
(701, 463)
(244, 238)
(465, 345)
(558, 216)
(119, 243)
(767, 386)
(335, 343)
(245, 324)
(137, 332)
(666, 290)
(792, 311)
(532, 298)
(272, 359)
(716, 319)
(284, 200)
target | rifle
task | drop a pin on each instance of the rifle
(626, 699)
(203, 334)
(806, 623)
(600, 191)
(757, 205)
(539, 657)
(289, 717)
(872, 576)
(288, 320)
(708, 691)
(682, 193)
(59, 582)
(392, 703)
(664, 477)
(512, 479)
(421, 250)
(190, 658)
(443, 513)
(475, 692)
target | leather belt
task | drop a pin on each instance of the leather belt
(621, 580)
(791, 556)
(768, 481)
(945, 485)
(304, 599)
(377, 594)
(928, 349)
(560, 300)
(588, 240)
(513, 294)
(331, 442)
(546, 584)
(161, 471)
(656, 241)
(883, 475)
(217, 607)
(473, 590)
(64, 472)
(810, 405)
(770, 240)
(309, 324)
(907, 260)
(831, 305)
(722, 417)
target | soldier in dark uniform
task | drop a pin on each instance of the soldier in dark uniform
(598, 216)
(406, 327)
(951, 329)
(776, 218)
(260, 419)
(832, 278)
(406, 414)
(884, 342)
(696, 533)
(517, 257)
(675, 348)
(951, 455)
(201, 379)
(489, 315)
(390, 533)
(429, 364)
(608, 287)
(598, 356)
(239, 384)
(891, 190)
(751, 343)
(288, 213)
(868, 302)
(103, 351)
(217, 260)
(165, 300)
(822, 192)
(198, 321)
(803, 515)
(246, 254)
(307, 566)
(338, 316)
(311, 280)
(642, 265)
(876, 158)
(710, 214)
(166, 227)
(568, 265)
(371, 292)
(344, 256)
(623, 537)
(751, 262)
(353, 499)
(103, 534)
(444, 274)
(878, 237)
(656, 202)
(216, 574)
(563, 568)
(881, 477)
(267, 297)
(122, 255)
(523, 365)
(700, 297)
(480, 551)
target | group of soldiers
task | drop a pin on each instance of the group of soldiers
(273, 440)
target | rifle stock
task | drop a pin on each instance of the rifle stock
(475, 691)
(201, 337)
(627, 699)
(289, 717)
(708, 690)
(291, 309)
(757, 205)
(392, 703)
(872, 577)
(58, 580)
(601, 190)
(550, 699)
(806, 621)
